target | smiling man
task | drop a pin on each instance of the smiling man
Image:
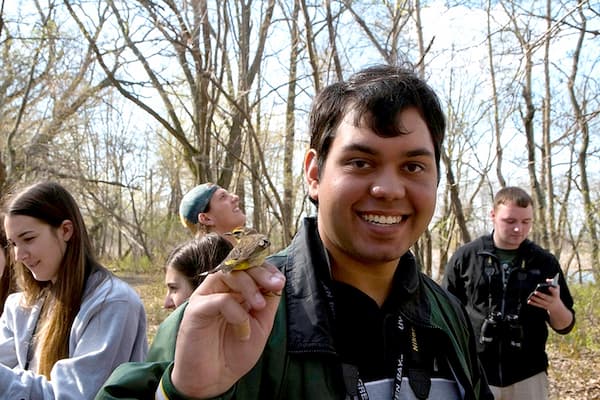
(211, 208)
(355, 318)
(495, 276)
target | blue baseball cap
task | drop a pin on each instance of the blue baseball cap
(194, 202)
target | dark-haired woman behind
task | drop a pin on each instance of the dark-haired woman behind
(7, 282)
(74, 322)
(187, 261)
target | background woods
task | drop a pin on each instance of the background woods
(131, 103)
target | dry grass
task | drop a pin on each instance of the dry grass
(151, 289)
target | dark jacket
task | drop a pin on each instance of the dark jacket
(474, 275)
(300, 359)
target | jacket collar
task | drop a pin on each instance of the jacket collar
(308, 273)
(309, 325)
(488, 248)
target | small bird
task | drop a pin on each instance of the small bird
(249, 251)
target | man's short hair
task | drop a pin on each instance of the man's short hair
(514, 195)
(377, 95)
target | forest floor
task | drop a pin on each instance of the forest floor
(572, 376)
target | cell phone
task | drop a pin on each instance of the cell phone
(545, 287)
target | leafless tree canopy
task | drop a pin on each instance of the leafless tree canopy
(131, 103)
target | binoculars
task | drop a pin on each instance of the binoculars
(497, 326)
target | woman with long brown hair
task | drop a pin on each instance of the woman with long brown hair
(7, 282)
(73, 322)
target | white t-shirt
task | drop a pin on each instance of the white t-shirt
(441, 389)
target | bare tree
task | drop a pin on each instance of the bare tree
(289, 187)
(581, 119)
(495, 100)
(42, 90)
(220, 91)
(207, 94)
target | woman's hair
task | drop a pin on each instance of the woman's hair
(52, 204)
(7, 281)
(198, 255)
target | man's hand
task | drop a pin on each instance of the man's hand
(560, 316)
(224, 329)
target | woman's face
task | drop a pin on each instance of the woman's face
(179, 288)
(39, 246)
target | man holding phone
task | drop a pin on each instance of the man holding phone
(512, 288)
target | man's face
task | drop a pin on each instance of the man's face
(511, 225)
(224, 211)
(376, 195)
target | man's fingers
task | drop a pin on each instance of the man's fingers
(242, 331)
(238, 298)
(270, 278)
(251, 284)
(229, 306)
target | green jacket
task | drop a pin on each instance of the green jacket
(299, 360)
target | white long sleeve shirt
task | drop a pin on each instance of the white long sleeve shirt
(109, 329)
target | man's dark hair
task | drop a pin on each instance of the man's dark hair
(376, 95)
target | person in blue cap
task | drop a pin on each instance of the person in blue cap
(204, 210)
(210, 208)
